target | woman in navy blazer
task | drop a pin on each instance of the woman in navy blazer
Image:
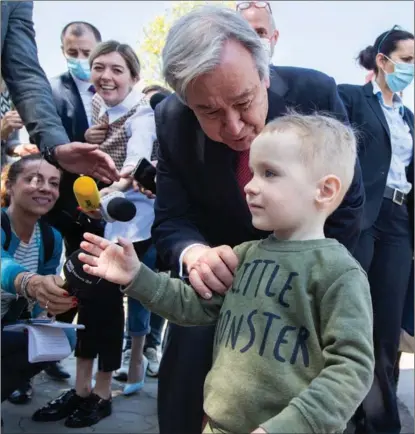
(385, 248)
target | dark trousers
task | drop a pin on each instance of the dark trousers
(16, 370)
(385, 252)
(187, 358)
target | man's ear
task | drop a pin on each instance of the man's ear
(275, 36)
(328, 189)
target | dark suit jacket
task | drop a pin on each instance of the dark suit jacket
(27, 83)
(198, 198)
(375, 151)
(69, 105)
(72, 113)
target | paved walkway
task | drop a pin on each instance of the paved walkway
(138, 414)
(135, 414)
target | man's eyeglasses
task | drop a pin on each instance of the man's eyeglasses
(241, 6)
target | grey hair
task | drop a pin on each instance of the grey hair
(195, 42)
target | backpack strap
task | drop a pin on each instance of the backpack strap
(48, 239)
(5, 225)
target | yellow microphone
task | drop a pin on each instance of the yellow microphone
(86, 193)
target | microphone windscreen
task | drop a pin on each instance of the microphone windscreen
(86, 193)
(121, 209)
(79, 282)
(156, 99)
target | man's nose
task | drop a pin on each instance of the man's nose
(233, 124)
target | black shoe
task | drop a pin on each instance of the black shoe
(90, 412)
(59, 408)
(22, 395)
(55, 371)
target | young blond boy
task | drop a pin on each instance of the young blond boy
(293, 346)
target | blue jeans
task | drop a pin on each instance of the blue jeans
(138, 319)
(153, 339)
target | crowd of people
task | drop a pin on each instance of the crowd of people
(282, 225)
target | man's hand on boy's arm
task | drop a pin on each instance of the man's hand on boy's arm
(212, 269)
(170, 298)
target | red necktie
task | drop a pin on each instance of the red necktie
(243, 174)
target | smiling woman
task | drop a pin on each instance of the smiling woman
(30, 256)
(30, 185)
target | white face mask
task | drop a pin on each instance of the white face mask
(266, 43)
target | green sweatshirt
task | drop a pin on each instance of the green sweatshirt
(293, 350)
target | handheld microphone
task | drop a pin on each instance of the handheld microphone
(115, 207)
(86, 193)
(157, 98)
(78, 282)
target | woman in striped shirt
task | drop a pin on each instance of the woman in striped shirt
(30, 256)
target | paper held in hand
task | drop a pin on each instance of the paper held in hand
(47, 341)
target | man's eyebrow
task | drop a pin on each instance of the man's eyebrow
(204, 107)
(242, 95)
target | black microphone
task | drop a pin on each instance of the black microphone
(157, 98)
(115, 207)
(78, 282)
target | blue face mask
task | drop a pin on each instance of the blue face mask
(79, 68)
(401, 77)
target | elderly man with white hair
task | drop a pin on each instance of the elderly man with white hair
(225, 92)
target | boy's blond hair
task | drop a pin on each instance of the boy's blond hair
(327, 145)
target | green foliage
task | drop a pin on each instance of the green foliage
(155, 32)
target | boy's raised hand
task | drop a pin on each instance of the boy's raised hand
(110, 261)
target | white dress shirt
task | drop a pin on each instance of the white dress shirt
(86, 96)
(401, 141)
(141, 130)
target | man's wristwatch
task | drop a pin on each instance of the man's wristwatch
(49, 155)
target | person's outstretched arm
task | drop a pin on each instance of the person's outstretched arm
(31, 93)
(28, 85)
(165, 296)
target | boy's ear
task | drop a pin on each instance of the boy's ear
(328, 189)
